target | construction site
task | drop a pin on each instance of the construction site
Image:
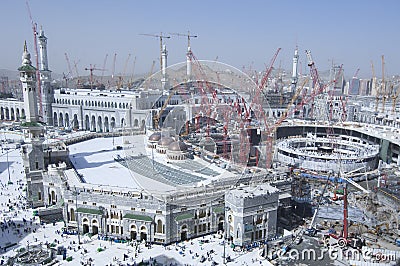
(271, 161)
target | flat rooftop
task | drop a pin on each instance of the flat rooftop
(136, 167)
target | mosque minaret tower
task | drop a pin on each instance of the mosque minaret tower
(47, 91)
(32, 150)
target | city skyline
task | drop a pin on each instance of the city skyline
(352, 33)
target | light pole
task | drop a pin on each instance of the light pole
(8, 169)
(77, 219)
(226, 231)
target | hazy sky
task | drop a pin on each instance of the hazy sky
(240, 33)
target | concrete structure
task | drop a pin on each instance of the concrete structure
(336, 153)
(251, 213)
(47, 91)
(294, 70)
(32, 151)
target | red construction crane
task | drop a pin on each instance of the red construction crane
(39, 88)
(91, 69)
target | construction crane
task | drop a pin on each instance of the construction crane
(185, 35)
(343, 239)
(38, 84)
(161, 37)
(69, 69)
(113, 66)
(395, 95)
(104, 66)
(373, 87)
(383, 85)
(318, 87)
(91, 69)
(78, 82)
(133, 73)
(125, 66)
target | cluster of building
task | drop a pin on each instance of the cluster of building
(175, 194)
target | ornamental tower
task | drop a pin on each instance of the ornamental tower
(45, 78)
(32, 150)
(28, 80)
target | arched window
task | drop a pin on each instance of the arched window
(159, 227)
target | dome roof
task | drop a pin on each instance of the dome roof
(156, 136)
(206, 141)
(177, 146)
(165, 141)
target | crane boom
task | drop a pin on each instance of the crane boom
(185, 35)
(161, 37)
(38, 83)
(383, 85)
(104, 66)
(91, 69)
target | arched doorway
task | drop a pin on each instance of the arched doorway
(106, 124)
(55, 119)
(93, 124)
(85, 226)
(53, 198)
(95, 227)
(2, 113)
(143, 233)
(67, 120)
(159, 228)
(87, 123)
(221, 223)
(99, 124)
(61, 120)
(133, 232)
(75, 122)
(112, 122)
(184, 232)
(18, 115)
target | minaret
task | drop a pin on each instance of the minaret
(45, 79)
(188, 64)
(294, 70)
(28, 80)
(164, 79)
(32, 150)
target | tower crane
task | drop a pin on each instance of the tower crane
(318, 86)
(395, 95)
(78, 82)
(383, 85)
(91, 69)
(104, 66)
(133, 73)
(185, 35)
(373, 87)
(161, 37)
(69, 69)
(125, 66)
(38, 84)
